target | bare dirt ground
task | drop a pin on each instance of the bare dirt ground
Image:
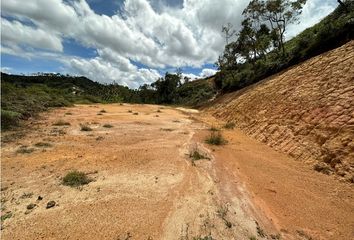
(146, 186)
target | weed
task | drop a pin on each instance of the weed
(26, 195)
(215, 139)
(195, 155)
(24, 150)
(107, 125)
(68, 113)
(43, 144)
(75, 179)
(85, 128)
(230, 125)
(6, 216)
(103, 111)
(213, 129)
(61, 122)
(135, 113)
(166, 129)
(209, 237)
(222, 212)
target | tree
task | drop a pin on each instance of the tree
(228, 31)
(278, 14)
(166, 88)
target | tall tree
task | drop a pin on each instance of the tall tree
(278, 14)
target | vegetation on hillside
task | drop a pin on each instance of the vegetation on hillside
(260, 50)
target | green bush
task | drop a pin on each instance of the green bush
(75, 179)
(215, 139)
(9, 119)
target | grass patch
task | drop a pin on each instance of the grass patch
(85, 128)
(213, 129)
(216, 139)
(25, 150)
(107, 125)
(76, 179)
(230, 125)
(196, 155)
(43, 144)
(61, 122)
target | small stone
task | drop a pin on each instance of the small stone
(50, 204)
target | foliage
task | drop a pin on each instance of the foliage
(259, 53)
(215, 138)
(75, 179)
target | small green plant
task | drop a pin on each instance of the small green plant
(107, 125)
(230, 125)
(61, 122)
(43, 144)
(25, 150)
(76, 179)
(85, 128)
(215, 139)
(6, 216)
(103, 111)
(222, 212)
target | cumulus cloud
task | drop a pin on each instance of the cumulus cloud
(16, 33)
(157, 35)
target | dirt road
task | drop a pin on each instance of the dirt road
(147, 187)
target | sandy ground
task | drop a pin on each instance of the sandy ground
(146, 186)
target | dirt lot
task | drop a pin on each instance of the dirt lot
(147, 187)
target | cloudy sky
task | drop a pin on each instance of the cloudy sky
(131, 42)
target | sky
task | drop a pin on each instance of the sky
(131, 42)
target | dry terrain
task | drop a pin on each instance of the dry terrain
(306, 111)
(146, 186)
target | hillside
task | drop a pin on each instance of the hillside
(306, 111)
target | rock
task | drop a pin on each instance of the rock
(50, 204)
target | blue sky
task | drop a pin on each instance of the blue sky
(132, 42)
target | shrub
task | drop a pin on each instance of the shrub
(75, 179)
(85, 128)
(230, 125)
(215, 139)
(9, 118)
(24, 150)
(42, 144)
(61, 122)
(103, 111)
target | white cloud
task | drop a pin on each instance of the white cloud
(160, 37)
(17, 33)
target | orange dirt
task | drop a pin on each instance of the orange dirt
(306, 111)
(146, 186)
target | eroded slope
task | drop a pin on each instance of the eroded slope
(307, 111)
